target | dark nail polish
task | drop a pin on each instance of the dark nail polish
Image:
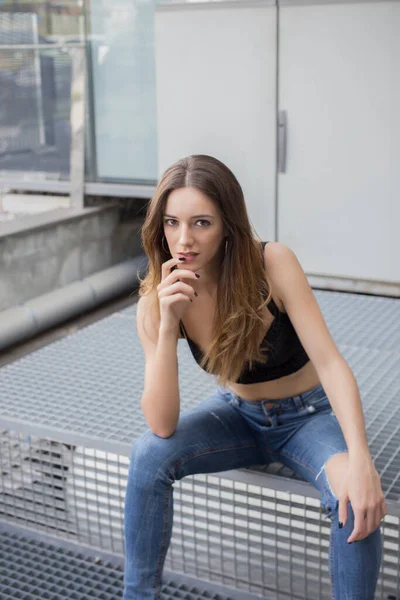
(181, 258)
(196, 294)
(340, 524)
(197, 275)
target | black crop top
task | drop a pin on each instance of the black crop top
(286, 354)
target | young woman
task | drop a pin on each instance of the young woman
(285, 392)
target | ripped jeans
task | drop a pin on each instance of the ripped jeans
(226, 432)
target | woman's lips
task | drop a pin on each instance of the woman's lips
(188, 258)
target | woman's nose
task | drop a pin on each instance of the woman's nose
(185, 237)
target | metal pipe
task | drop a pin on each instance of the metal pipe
(48, 310)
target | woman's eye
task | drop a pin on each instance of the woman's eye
(206, 223)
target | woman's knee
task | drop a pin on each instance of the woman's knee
(149, 448)
(150, 457)
(336, 471)
(329, 478)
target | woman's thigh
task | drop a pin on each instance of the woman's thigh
(208, 438)
(301, 432)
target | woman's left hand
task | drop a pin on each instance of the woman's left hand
(362, 487)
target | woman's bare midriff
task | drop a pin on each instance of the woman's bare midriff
(303, 380)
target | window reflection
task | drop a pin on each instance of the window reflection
(123, 75)
(35, 87)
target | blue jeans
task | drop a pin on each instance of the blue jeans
(226, 432)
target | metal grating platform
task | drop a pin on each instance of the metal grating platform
(33, 569)
(70, 411)
(88, 385)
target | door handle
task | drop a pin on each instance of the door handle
(282, 140)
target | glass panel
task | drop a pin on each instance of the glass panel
(121, 34)
(35, 86)
(55, 21)
(35, 93)
(121, 140)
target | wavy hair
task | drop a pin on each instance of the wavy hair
(239, 325)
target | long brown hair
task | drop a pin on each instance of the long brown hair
(243, 287)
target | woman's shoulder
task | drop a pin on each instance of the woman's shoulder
(269, 244)
(275, 253)
(275, 256)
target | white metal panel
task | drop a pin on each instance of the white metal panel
(339, 81)
(216, 94)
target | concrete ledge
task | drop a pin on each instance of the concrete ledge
(43, 252)
(44, 219)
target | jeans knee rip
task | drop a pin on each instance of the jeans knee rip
(328, 489)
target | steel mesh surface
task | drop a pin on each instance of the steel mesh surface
(71, 410)
(252, 537)
(31, 569)
(369, 322)
(74, 492)
(234, 534)
(88, 385)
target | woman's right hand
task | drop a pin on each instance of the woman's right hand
(173, 294)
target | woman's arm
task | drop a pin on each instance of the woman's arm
(291, 286)
(160, 400)
(290, 283)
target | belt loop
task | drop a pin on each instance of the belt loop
(272, 420)
(298, 402)
(235, 400)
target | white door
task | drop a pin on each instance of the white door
(339, 83)
(216, 93)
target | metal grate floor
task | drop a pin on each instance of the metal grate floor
(33, 569)
(88, 385)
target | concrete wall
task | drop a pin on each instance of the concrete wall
(69, 246)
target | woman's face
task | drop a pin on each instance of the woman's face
(193, 223)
